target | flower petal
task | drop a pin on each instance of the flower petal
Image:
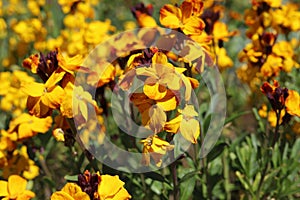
(155, 91)
(190, 129)
(16, 186)
(170, 16)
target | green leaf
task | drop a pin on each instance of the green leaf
(256, 181)
(71, 178)
(187, 188)
(296, 149)
(206, 123)
(235, 116)
(258, 118)
(156, 176)
(216, 151)
(189, 175)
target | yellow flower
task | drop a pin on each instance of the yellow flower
(76, 102)
(156, 148)
(58, 134)
(67, 4)
(160, 76)
(185, 123)
(272, 118)
(263, 111)
(28, 126)
(44, 97)
(220, 31)
(15, 188)
(70, 191)
(97, 31)
(185, 17)
(292, 103)
(102, 187)
(223, 60)
(144, 104)
(69, 64)
(101, 74)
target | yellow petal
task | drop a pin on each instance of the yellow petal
(188, 111)
(186, 8)
(190, 129)
(16, 185)
(71, 189)
(53, 98)
(33, 89)
(25, 131)
(26, 195)
(170, 16)
(61, 196)
(109, 186)
(193, 25)
(158, 118)
(54, 78)
(41, 125)
(3, 189)
(155, 91)
(292, 103)
(173, 125)
(168, 103)
(159, 58)
(122, 195)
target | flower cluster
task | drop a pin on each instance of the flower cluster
(199, 20)
(268, 54)
(285, 103)
(93, 187)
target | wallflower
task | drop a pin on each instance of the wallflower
(96, 31)
(156, 148)
(28, 126)
(44, 97)
(15, 188)
(94, 187)
(185, 123)
(292, 103)
(103, 187)
(70, 191)
(185, 17)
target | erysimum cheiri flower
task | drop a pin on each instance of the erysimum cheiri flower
(43, 98)
(93, 187)
(282, 100)
(27, 126)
